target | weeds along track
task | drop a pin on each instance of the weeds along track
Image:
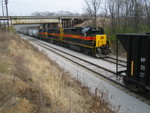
(105, 74)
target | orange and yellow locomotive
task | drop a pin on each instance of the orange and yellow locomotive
(89, 40)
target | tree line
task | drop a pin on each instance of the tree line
(120, 15)
(115, 16)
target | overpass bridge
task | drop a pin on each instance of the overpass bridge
(61, 21)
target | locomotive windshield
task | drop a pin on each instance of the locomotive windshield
(92, 31)
(85, 29)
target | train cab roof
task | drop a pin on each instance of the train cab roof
(76, 30)
(73, 29)
(42, 30)
(93, 30)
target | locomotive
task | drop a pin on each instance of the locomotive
(91, 41)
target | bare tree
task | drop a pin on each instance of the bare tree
(104, 18)
(147, 12)
(112, 12)
(119, 10)
(126, 14)
(92, 8)
(137, 11)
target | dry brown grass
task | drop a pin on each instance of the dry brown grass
(31, 83)
(101, 22)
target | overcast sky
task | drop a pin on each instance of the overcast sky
(26, 7)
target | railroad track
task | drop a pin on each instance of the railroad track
(113, 60)
(104, 73)
(120, 60)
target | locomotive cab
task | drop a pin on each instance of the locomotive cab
(100, 42)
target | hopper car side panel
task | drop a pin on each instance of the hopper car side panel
(137, 47)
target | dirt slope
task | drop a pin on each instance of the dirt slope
(32, 83)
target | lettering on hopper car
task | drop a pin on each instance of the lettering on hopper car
(142, 74)
(142, 67)
(143, 60)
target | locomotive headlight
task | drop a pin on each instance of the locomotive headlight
(98, 49)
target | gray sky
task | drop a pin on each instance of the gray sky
(26, 7)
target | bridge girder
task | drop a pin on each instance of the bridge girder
(65, 21)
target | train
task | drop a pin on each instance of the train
(91, 41)
(94, 42)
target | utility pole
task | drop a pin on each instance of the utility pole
(6, 2)
(2, 8)
(3, 15)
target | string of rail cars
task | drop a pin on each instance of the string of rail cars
(94, 42)
(89, 40)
